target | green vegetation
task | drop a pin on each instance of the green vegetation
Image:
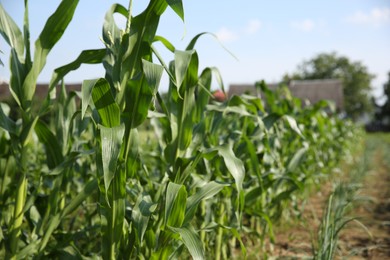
(87, 183)
(383, 113)
(347, 195)
(340, 203)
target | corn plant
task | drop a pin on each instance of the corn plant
(82, 179)
(24, 74)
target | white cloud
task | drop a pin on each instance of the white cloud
(226, 35)
(376, 17)
(253, 26)
(306, 25)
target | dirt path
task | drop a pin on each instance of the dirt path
(374, 214)
(294, 240)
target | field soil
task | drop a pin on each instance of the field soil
(367, 238)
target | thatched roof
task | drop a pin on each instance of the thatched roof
(311, 90)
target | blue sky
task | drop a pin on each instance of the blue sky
(269, 38)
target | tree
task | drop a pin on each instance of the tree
(354, 75)
(385, 108)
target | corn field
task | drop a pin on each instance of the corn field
(120, 170)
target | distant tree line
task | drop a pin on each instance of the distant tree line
(382, 112)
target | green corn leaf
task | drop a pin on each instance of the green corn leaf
(18, 74)
(70, 252)
(296, 159)
(203, 93)
(52, 147)
(192, 43)
(255, 101)
(285, 195)
(162, 62)
(205, 192)
(13, 36)
(191, 240)
(270, 120)
(218, 77)
(5, 122)
(26, 31)
(53, 224)
(69, 162)
(187, 120)
(293, 124)
(233, 164)
(182, 64)
(11, 32)
(28, 250)
(85, 57)
(137, 45)
(153, 73)
(132, 156)
(89, 189)
(254, 161)
(252, 196)
(51, 33)
(143, 209)
(138, 97)
(111, 32)
(175, 205)
(111, 139)
(27, 131)
(237, 170)
(177, 6)
(104, 101)
(242, 245)
(269, 223)
(165, 42)
(86, 94)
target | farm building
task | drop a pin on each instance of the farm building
(311, 90)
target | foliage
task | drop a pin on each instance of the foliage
(385, 108)
(89, 182)
(354, 75)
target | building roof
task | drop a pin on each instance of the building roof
(40, 91)
(311, 90)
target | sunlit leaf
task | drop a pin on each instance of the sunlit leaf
(191, 240)
(111, 138)
(175, 205)
(51, 33)
(105, 104)
(177, 6)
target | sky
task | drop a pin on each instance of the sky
(267, 38)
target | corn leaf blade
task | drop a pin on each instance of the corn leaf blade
(111, 138)
(191, 240)
(105, 104)
(51, 33)
(86, 57)
(11, 32)
(175, 205)
(205, 192)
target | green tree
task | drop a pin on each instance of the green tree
(385, 108)
(354, 75)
